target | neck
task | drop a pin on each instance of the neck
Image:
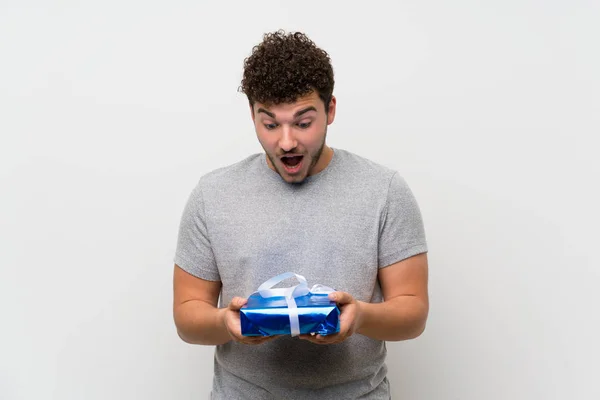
(324, 160)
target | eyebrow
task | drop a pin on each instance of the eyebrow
(296, 114)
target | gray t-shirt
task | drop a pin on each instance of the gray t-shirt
(243, 225)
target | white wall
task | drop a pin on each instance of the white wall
(111, 111)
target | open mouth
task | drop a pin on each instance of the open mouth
(292, 163)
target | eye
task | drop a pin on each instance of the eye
(270, 126)
(304, 125)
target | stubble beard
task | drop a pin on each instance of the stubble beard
(314, 160)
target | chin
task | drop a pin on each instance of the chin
(299, 178)
(294, 179)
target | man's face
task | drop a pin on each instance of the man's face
(293, 136)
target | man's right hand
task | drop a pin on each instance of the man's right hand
(230, 317)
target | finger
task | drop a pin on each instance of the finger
(320, 339)
(254, 340)
(251, 340)
(310, 338)
(237, 303)
(347, 315)
(266, 339)
(341, 297)
(232, 322)
(330, 339)
(235, 331)
(346, 323)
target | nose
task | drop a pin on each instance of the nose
(287, 141)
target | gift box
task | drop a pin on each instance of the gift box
(289, 311)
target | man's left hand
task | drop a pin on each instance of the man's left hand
(350, 319)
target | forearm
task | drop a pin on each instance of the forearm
(400, 318)
(199, 322)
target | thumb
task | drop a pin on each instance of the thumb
(237, 303)
(341, 297)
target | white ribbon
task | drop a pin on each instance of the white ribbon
(301, 289)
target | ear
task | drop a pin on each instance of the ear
(331, 110)
(251, 111)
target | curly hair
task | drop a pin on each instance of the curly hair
(285, 67)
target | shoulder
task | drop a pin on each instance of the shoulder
(222, 181)
(239, 172)
(366, 170)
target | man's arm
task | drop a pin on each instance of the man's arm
(195, 309)
(402, 314)
(197, 318)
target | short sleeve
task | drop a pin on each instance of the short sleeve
(194, 253)
(401, 233)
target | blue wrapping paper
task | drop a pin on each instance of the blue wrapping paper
(270, 316)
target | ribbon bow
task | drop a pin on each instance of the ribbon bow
(290, 293)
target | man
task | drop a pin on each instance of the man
(327, 214)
